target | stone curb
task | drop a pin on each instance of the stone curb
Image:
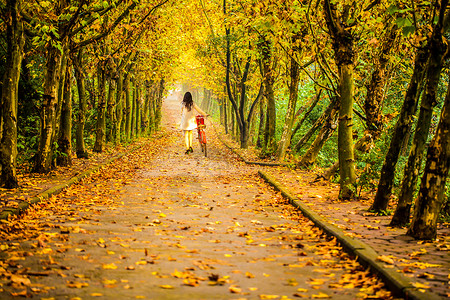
(58, 188)
(399, 284)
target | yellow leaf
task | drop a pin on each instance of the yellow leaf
(111, 266)
(190, 282)
(96, 294)
(77, 285)
(109, 282)
(235, 290)
(268, 296)
(249, 275)
(302, 290)
(316, 282)
(385, 259)
(420, 285)
(320, 296)
(166, 286)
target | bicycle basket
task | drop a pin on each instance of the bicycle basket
(200, 120)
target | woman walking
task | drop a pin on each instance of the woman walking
(188, 123)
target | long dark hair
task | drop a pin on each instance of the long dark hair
(187, 101)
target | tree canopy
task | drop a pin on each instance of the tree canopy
(354, 91)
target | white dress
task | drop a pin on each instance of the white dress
(188, 117)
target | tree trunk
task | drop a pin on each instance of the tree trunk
(117, 123)
(146, 108)
(285, 140)
(151, 112)
(101, 109)
(262, 124)
(82, 107)
(400, 131)
(310, 106)
(429, 101)
(43, 158)
(321, 120)
(64, 157)
(375, 87)
(110, 110)
(345, 134)
(268, 79)
(344, 57)
(127, 108)
(432, 188)
(159, 99)
(325, 132)
(9, 97)
(137, 111)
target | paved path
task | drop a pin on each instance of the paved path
(159, 224)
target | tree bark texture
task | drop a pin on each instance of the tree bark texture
(375, 87)
(269, 80)
(429, 101)
(9, 97)
(344, 57)
(110, 109)
(127, 108)
(64, 157)
(401, 128)
(43, 158)
(432, 188)
(101, 109)
(117, 123)
(82, 107)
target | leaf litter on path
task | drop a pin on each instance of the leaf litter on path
(166, 224)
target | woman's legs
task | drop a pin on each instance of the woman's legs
(188, 139)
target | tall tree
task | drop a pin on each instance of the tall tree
(406, 118)
(344, 57)
(432, 188)
(429, 100)
(9, 98)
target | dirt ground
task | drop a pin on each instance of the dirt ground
(160, 224)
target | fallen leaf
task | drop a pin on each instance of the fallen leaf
(320, 296)
(385, 259)
(111, 266)
(268, 296)
(166, 286)
(235, 289)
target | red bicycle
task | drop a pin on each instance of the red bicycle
(201, 132)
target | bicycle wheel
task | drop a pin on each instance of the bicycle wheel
(204, 150)
(200, 138)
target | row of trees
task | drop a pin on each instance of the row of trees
(361, 88)
(88, 60)
(376, 73)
